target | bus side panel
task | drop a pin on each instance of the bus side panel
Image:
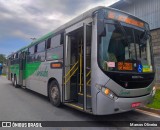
(38, 75)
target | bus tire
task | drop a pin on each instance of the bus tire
(54, 93)
(15, 82)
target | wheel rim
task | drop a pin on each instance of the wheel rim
(54, 93)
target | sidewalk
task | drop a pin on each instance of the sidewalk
(153, 110)
(156, 111)
(157, 86)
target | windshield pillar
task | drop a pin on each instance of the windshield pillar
(148, 52)
(134, 43)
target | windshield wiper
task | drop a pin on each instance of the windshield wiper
(144, 37)
(126, 38)
(123, 30)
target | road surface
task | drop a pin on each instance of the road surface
(18, 104)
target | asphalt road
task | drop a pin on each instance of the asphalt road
(18, 104)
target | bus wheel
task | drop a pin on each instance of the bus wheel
(54, 93)
(15, 82)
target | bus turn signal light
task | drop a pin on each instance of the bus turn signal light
(56, 65)
(107, 91)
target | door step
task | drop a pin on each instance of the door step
(88, 96)
(81, 99)
(78, 106)
(75, 105)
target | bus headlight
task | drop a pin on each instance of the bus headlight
(153, 91)
(107, 92)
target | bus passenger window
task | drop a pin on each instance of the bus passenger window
(49, 43)
(55, 41)
(35, 49)
(62, 38)
(31, 50)
(41, 46)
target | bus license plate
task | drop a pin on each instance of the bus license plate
(135, 104)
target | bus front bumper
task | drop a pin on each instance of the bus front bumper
(107, 106)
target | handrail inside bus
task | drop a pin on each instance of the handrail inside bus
(71, 75)
(73, 67)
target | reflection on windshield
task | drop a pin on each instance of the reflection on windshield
(119, 52)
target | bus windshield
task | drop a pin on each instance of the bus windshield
(125, 48)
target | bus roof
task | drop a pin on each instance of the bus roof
(77, 19)
(81, 17)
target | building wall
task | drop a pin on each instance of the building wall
(156, 49)
(148, 10)
(156, 42)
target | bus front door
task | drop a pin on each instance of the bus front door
(77, 73)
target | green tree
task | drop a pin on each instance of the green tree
(2, 58)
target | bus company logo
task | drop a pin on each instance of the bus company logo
(6, 124)
(42, 73)
(137, 77)
(124, 93)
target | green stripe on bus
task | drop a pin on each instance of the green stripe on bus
(31, 68)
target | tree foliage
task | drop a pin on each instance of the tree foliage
(2, 58)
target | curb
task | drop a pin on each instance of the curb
(157, 88)
(156, 111)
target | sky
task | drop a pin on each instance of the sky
(21, 20)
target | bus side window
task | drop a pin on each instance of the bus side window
(62, 39)
(31, 50)
(11, 58)
(40, 51)
(41, 47)
(48, 43)
(55, 41)
(35, 48)
(17, 58)
(30, 57)
(55, 53)
(54, 48)
(17, 55)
